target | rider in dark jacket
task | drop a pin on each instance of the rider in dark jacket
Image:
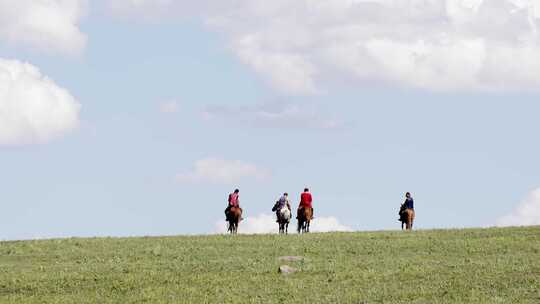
(408, 204)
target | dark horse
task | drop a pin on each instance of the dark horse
(406, 218)
(304, 219)
(235, 214)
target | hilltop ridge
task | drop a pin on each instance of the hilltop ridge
(495, 265)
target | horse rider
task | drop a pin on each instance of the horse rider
(234, 201)
(280, 204)
(408, 204)
(305, 202)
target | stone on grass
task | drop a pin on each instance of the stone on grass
(285, 269)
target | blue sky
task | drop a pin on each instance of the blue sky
(146, 114)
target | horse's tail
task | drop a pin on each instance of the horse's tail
(410, 218)
(308, 214)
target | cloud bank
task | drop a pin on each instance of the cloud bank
(527, 213)
(50, 25)
(33, 109)
(299, 46)
(222, 171)
(266, 223)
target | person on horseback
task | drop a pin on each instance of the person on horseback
(408, 204)
(280, 204)
(234, 201)
(305, 202)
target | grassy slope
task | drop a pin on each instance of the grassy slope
(441, 266)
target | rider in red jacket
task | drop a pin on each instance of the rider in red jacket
(305, 201)
(234, 201)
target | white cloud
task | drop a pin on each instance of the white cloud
(33, 109)
(527, 213)
(50, 25)
(275, 115)
(300, 46)
(217, 170)
(290, 72)
(266, 223)
(261, 224)
(169, 107)
(327, 224)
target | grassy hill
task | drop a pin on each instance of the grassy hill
(438, 266)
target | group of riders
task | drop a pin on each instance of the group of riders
(406, 211)
(306, 202)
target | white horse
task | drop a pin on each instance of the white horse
(284, 217)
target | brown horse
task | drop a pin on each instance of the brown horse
(304, 219)
(235, 214)
(407, 219)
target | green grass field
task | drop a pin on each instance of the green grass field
(438, 266)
